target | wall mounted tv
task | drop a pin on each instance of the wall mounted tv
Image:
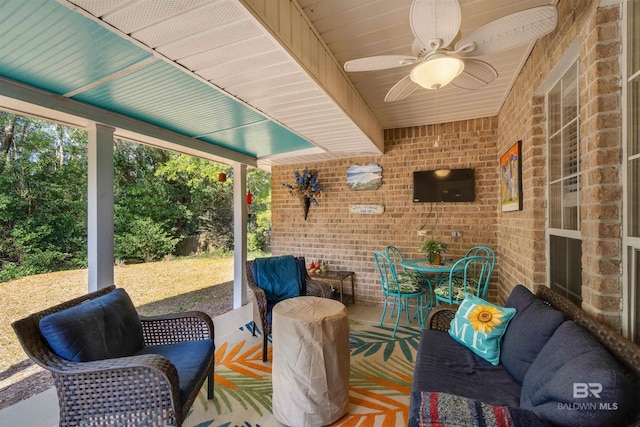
(444, 185)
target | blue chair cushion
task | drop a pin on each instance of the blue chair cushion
(102, 328)
(479, 325)
(443, 365)
(575, 381)
(303, 273)
(279, 277)
(191, 359)
(301, 266)
(534, 323)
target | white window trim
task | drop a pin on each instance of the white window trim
(629, 244)
(571, 234)
(571, 56)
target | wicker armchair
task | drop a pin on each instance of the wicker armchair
(261, 307)
(139, 390)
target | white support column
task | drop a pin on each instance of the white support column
(100, 207)
(239, 234)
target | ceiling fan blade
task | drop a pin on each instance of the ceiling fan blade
(511, 30)
(379, 62)
(401, 90)
(435, 23)
(476, 74)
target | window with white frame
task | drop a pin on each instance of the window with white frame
(633, 168)
(563, 229)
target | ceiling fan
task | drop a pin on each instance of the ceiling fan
(435, 24)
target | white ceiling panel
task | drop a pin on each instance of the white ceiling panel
(221, 42)
(247, 67)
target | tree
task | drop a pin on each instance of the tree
(259, 226)
(210, 201)
(43, 197)
(160, 197)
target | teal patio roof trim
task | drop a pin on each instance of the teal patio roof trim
(48, 46)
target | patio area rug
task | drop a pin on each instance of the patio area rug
(379, 386)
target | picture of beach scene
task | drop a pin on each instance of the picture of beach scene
(364, 177)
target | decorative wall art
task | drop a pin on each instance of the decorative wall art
(366, 209)
(511, 179)
(364, 177)
(307, 188)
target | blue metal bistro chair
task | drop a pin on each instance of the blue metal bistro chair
(489, 253)
(395, 256)
(401, 292)
(468, 275)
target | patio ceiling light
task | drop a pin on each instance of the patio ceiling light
(437, 71)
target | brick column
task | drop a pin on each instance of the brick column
(600, 157)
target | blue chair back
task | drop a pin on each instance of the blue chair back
(472, 271)
(387, 274)
(395, 257)
(486, 252)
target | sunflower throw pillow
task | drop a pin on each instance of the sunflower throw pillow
(479, 326)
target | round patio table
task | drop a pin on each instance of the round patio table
(440, 271)
(311, 361)
(421, 264)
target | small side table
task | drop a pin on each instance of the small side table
(340, 275)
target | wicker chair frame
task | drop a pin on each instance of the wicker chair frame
(128, 391)
(626, 352)
(260, 311)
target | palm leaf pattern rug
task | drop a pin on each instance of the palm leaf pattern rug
(379, 386)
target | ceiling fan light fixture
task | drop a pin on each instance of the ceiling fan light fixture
(436, 72)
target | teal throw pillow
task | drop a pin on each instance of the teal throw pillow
(480, 325)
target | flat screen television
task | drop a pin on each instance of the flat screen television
(444, 185)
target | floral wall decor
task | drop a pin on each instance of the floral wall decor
(307, 188)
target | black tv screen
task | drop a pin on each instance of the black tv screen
(444, 185)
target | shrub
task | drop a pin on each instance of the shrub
(145, 240)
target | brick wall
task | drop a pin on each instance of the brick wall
(521, 235)
(347, 241)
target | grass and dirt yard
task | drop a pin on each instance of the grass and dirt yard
(183, 284)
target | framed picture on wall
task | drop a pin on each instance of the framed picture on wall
(364, 177)
(511, 179)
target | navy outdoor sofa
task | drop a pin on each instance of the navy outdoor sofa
(557, 366)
